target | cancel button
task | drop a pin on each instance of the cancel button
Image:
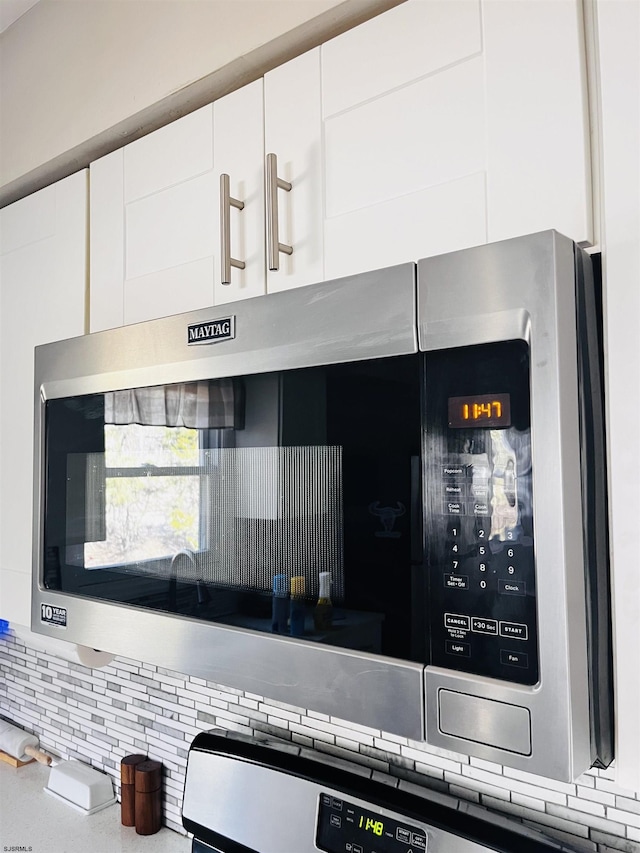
(511, 587)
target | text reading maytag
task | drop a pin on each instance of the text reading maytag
(211, 331)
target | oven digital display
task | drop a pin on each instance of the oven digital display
(343, 826)
(482, 410)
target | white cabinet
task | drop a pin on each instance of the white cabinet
(238, 146)
(430, 128)
(451, 124)
(155, 226)
(167, 212)
(155, 205)
(293, 132)
(538, 162)
(43, 279)
(403, 112)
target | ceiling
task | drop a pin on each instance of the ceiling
(11, 10)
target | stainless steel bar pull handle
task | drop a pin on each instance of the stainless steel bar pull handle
(226, 203)
(274, 183)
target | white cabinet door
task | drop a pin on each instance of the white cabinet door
(153, 237)
(293, 132)
(538, 166)
(405, 141)
(43, 280)
(155, 224)
(452, 124)
(238, 122)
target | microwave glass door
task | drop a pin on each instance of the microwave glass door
(240, 501)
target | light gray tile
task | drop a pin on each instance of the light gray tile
(593, 821)
(626, 804)
(611, 842)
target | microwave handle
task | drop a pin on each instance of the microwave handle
(274, 183)
(226, 203)
(419, 644)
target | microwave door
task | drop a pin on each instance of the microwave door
(205, 521)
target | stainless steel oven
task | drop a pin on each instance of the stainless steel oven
(261, 795)
(382, 498)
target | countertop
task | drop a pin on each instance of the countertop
(34, 822)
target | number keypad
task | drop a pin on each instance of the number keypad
(487, 597)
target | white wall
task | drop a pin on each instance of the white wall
(618, 46)
(79, 78)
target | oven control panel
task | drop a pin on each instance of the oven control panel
(479, 516)
(262, 793)
(344, 827)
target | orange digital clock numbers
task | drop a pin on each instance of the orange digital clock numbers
(485, 410)
(476, 411)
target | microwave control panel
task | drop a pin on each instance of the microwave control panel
(479, 514)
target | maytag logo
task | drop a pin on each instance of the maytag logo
(211, 331)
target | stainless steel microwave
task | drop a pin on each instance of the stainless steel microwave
(382, 498)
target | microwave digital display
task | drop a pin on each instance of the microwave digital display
(483, 410)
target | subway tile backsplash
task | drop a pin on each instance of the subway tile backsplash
(100, 715)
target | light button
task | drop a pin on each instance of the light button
(453, 647)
